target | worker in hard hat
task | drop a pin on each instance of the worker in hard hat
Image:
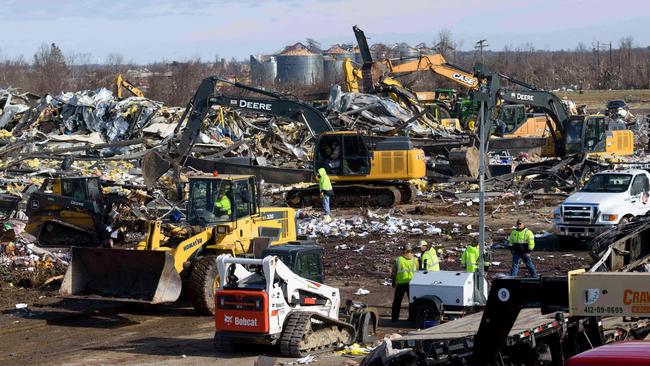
(326, 191)
(402, 272)
(428, 257)
(470, 257)
(522, 243)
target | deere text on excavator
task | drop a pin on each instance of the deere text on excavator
(363, 169)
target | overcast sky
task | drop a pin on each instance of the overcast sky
(147, 30)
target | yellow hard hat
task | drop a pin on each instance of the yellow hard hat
(423, 243)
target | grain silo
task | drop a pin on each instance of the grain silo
(339, 53)
(264, 69)
(332, 70)
(297, 65)
(357, 55)
(405, 51)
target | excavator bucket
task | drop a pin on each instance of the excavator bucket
(144, 276)
(154, 165)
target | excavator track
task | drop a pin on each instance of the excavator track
(352, 195)
(302, 335)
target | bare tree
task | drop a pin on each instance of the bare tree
(50, 69)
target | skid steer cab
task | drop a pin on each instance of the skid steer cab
(222, 217)
(69, 211)
(263, 301)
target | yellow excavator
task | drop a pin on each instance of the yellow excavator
(364, 170)
(223, 217)
(122, 83)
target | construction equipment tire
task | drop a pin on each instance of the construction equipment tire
(203, 283)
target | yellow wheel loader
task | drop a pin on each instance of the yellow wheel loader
(222, 217)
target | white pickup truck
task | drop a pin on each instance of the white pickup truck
(608, 199)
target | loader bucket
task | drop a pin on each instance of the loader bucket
(154, 166)
(145, 276)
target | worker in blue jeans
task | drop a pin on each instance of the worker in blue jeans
(522, 243)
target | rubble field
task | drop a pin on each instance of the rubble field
(93, 134)
(73, 332)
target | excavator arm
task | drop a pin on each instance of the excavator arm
(435, 63)
(121, 82)
(155, 164)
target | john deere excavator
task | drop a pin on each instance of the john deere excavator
(594, 135)
(363, 169)
(223, 217)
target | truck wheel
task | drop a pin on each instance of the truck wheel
(204, 282)
(625, 220)
(222, 344)
(426, 311)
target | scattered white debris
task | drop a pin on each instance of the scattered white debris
(361, 292)
(305, 360)
(21, 306)
(462, 214)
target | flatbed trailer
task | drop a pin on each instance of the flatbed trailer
(534, 337)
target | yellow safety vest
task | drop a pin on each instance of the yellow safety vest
(223, 205)
(523, 237)
(470, 257)
(324, 183)
(430, 260)
(405, 269)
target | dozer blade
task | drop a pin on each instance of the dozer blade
(154, 165)
(145, 276)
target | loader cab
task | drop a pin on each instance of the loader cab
(221, 199)
(303, 258)
(80, 188)
(342, 154)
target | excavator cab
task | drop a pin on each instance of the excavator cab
(342, 154)
(597, 134)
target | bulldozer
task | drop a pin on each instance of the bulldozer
(223, 216)
(69, 211)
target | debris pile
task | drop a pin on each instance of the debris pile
(362, 226)
(21, 262)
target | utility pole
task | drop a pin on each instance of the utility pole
(480, 45)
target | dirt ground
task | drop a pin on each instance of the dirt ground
(65, 332)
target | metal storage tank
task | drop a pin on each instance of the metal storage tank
(332, 69)
(339, 53)
(297, 65)
(357, 55)
(406, 51)
(264, 69)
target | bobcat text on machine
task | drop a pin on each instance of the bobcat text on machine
(363, 169)
(270, 304)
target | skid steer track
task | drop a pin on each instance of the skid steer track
(302, 336)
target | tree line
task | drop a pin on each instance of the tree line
(598, 66)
